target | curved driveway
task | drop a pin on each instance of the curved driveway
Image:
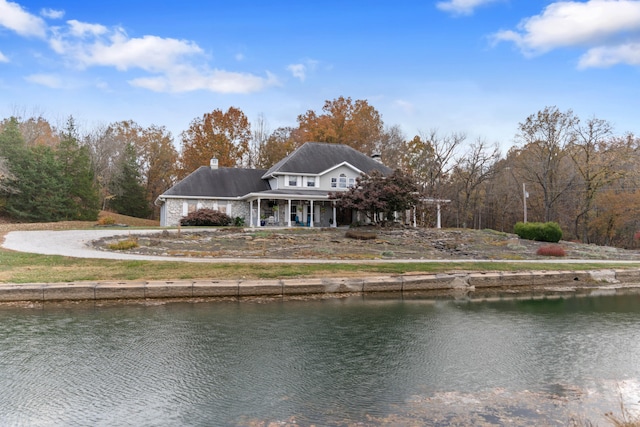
(77, 243)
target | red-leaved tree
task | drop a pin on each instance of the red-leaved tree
(379, 196)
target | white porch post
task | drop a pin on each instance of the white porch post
(258, 224)
(335, 220)
(311, 213)
(438, 223)
(415, 222)
(251, 213)
(289, 214)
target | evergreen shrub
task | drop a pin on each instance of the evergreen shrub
(539, 231)
(206, 218)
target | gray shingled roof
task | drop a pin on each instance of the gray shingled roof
(316, 157)
(222, 182)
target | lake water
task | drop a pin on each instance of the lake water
(366, 361)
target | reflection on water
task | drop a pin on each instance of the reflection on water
(368, 360)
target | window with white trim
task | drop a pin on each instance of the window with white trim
(292, 181)
(311, 181)
(352, 182)
(334, 182)
(342, 182)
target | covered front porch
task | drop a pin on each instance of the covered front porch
(313, 209)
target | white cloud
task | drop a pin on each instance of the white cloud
(188, 79)
(628, 53)
(52, 13)
(299, 71)
(462, 7)
(83, 29)
(47, 80)
(15, 18)
(592, 24)
(175, 65)
(405, 106)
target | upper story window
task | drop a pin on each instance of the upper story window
(334, 182)
(311, 181)
(342, 181)
(352, 182)
(292, 181)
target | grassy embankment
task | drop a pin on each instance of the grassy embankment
(16, 267)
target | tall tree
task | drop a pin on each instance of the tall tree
(280, 144)
(129, 193)
(544, 137)
(472, 170)
(393, 148)
(344, 121)
(595, 154)
(223, 135)
(430, 158)
(76, 167)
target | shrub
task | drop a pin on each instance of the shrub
(106, 220)
(551, 250)
(542, 232)
(206, 217)
(238, 221)
(124, 245)
(361, 235)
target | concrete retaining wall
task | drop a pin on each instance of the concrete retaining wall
(548, 280)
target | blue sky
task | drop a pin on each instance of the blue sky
(473, 66)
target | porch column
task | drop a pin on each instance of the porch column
(311, 213)
(415, 223)
(289, 214)
(438, 223)
(258, 224)
(334, 223)
(251, 213)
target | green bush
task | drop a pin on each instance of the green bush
(206, 218)
(539, 231)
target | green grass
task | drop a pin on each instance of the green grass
(16, 267)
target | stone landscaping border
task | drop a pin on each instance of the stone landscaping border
(565, 281)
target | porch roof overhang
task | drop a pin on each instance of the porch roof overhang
(289, 195)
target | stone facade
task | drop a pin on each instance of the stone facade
(175, 209)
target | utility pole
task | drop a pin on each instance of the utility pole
(524, 200)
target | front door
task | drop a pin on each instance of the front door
(344, 216)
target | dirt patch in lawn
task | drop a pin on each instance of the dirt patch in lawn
(333, 243)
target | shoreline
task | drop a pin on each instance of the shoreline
(454, 284)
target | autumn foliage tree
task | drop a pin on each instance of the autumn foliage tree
(343, 121)
(221, 135)
(379, 196)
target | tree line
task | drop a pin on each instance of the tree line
(578, 173)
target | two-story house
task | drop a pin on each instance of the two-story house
(295, 191)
